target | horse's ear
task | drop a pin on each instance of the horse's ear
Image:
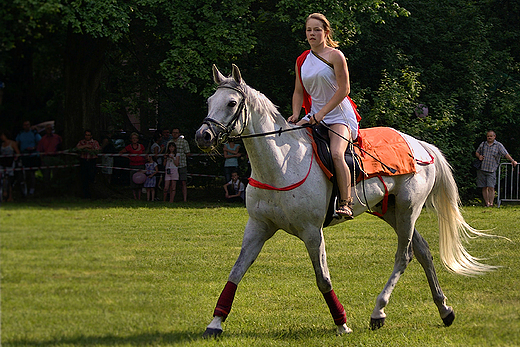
(217, 76)
(236, 74)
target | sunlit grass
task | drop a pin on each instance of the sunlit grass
(126, 273)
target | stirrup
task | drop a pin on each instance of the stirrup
(345, 208)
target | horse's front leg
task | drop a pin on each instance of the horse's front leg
(255, 235)
(315, 244)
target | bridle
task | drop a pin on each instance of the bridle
(227, 129)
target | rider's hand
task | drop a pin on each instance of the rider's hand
(293, 118)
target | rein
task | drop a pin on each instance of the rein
(392, 170)
(275, 132)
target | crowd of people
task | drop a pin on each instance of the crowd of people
(154, 169)
(161, 167)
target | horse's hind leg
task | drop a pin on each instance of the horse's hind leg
(255, 235)
(421, 251)
(403, 257)
(315, 245)
(403, 221)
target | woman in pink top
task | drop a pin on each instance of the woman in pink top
(136, 162)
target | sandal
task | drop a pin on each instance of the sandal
(345, 208)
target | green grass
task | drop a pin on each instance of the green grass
(149, 274)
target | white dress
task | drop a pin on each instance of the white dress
(320, 82)
(172, 171)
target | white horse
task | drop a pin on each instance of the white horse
(299, 204)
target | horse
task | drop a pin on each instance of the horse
(296, 194)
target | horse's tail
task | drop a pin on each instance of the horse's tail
(444, 198)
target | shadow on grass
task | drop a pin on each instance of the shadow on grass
(78, 204)
(177, 338)
(111, 340)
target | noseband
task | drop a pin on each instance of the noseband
(223, 135)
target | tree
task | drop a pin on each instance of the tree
(194, 34)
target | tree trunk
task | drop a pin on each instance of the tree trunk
(84, 58)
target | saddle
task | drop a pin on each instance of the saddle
(380, 144)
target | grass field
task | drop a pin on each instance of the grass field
(149, 274)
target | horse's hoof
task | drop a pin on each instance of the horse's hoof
(448, 320)
(343, 329)
(376, 323)
(209, 333)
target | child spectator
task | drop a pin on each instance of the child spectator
(171, 163)
(235, 189)
(150, 171)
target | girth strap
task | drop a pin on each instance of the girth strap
(266, 186)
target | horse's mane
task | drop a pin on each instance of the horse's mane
(263, 107)
(258, 102)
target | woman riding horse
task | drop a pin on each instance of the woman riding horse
(322, 86)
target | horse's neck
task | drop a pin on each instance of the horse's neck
(275, 159)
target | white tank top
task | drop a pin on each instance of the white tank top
(320, 82)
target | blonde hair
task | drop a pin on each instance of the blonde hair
(326, 26)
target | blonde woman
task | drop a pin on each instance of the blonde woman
(322, 87)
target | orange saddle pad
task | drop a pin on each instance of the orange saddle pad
(389, 147)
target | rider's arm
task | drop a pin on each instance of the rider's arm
(297, 99)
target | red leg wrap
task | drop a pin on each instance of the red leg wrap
(335, 307)
(225, 300)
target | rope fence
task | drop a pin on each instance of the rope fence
(102, 166)
(100, 154)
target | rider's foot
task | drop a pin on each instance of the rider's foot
(345, 208)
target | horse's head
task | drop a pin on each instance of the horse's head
(226, 111)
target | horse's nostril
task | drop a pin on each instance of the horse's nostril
(207, 136)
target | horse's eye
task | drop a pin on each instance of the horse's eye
(232, 103)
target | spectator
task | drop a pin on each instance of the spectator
(107, 161)
(231, 163)
(166, 137)
(489, 153)
(49, 145)
(27, 141)
(10, 149)
(183, 149)
(235, 189)
(88, 149)
(150, 171)
(171, 163)
(155, 150)
(136, 161)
